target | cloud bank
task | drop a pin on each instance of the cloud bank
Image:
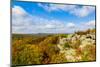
(23, 22)
(72, 9)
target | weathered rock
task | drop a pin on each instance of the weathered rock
(84, 42)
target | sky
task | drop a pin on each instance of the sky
(37, 17)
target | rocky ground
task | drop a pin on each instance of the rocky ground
(79, 46)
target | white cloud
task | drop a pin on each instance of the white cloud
(25, 23)
(90, 23)
(55, 7)
(22, 22)
(71, 25)
(18, 10)
(86, 25)
(72, 9)
(83, 11)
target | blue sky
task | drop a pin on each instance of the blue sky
(35, 17)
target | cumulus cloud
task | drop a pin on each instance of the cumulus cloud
(18, 10)
(71, 25)
(86, 25)
(90, 23)
(80, 11)
(83, 11)
(22, 22)
(55, 7)
(20, 19)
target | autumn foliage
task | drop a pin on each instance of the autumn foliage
(46, 48)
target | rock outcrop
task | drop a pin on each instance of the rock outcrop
(78, 46)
